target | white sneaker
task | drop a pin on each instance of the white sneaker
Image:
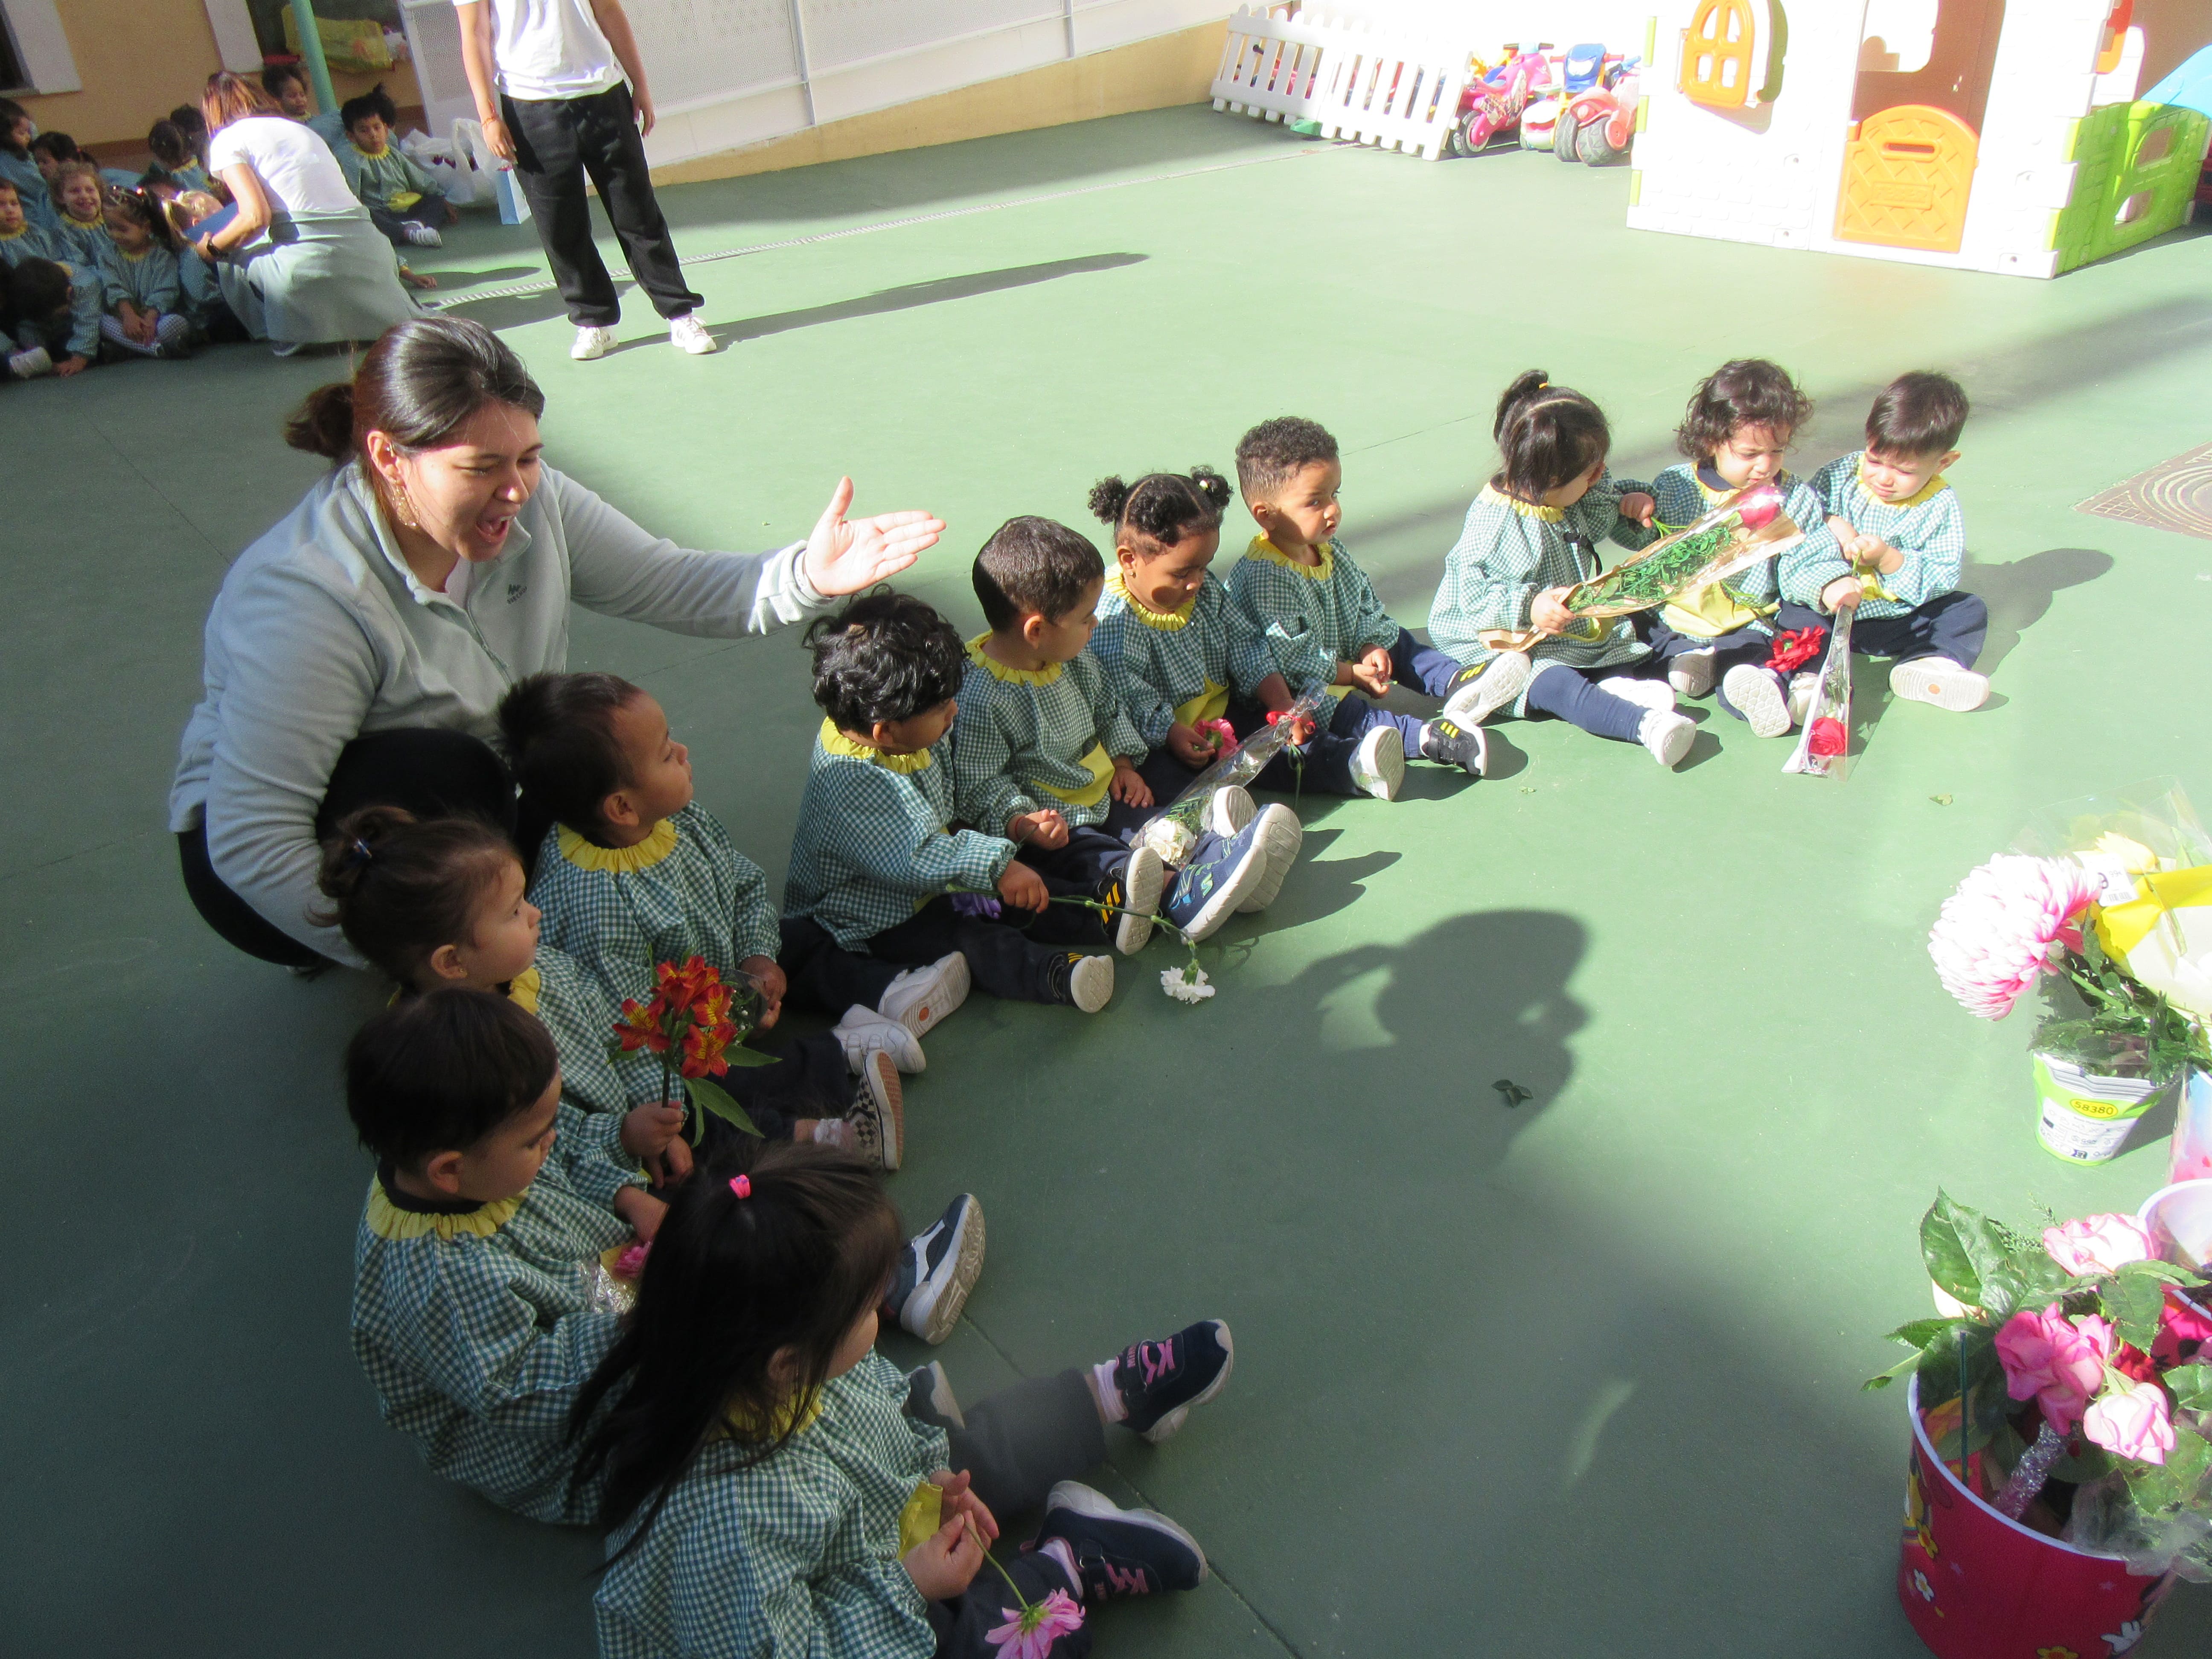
(688, 333)
(29, 365)
(1667, 735)
(1940, 681)
(1140, 900)
(1655, 695)
(920, 997)
(1802, 690)
(1756, 694)
(591, 342)
(422, 235)
(1282, 835)
(1691, 674)
(1502, 680)
(1378, 765)
(1230, 810)
(863, 1031)
(1090, 983)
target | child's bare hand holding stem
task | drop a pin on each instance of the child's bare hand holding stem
(654, 1134)
(1022, 888)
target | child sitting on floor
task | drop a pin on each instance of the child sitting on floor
(773, 1485)
(476, 1257)
(179, 164)
(1735, 432)
(406, 204)
(439, 903)
(1043, 743)
(635, 873)
(1893, 544)
(55, 313)
(1527, 540)
(80, 235)
(1324, 627)
(144, 289)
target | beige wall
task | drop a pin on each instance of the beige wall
(1167, 69)
(2173, 32)
(140, 59)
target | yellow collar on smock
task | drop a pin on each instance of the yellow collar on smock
(998, 670)
(523, 989)
(587, 856)
(838, 743)
(387, 1220)
(1167, 622)
(1264, 550)
(1496, 497)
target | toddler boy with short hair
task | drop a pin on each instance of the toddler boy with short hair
(1894, 546)
(405, 202)
(1325, 626)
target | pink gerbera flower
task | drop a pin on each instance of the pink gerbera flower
(1998, 934)
(1031, 1630)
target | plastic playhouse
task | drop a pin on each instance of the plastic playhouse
(1977, 134)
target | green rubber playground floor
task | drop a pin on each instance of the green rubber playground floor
(1576, 1377)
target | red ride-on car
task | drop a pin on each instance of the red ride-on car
(1597, 126)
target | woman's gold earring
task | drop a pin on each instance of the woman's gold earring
(406, 510)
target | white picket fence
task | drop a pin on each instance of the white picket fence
(1374, 87)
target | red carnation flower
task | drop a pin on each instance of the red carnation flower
(1792, 651)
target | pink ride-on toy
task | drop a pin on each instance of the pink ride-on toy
(1491, 108)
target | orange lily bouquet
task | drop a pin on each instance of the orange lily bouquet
(698, 1025)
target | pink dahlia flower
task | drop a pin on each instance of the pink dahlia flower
(2058, 1362)
(2097, 1244)
(2133, 1420)
(1997, 933)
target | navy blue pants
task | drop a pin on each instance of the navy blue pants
(1090, 855)
(821, 974)
(1421, 667)
(1329, 753)
(1166, 776)
(1010, 955)
(1572, 695)
(1953, 625)
(809, 1078)
(1730, 650)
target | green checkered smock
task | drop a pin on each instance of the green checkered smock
(1179, 665)
(576, 1009)
(1509, 552)
(1929, 529)
(798, 1555)
(684, 890)
(1685, 493)
(475, 1322)
(875, 842)
(1312, 617)
(1048, 736)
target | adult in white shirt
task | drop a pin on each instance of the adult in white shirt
(302, 263)
(358, 652)
(562, 94)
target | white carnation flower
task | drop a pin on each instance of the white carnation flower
(1186, 984)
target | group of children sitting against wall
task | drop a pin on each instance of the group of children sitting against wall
(101, 263)
(976, 814)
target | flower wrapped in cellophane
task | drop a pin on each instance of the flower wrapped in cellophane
(1823, 746)
(1176, 830)
(1745, 527)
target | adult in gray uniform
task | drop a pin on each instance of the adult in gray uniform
(357, 653)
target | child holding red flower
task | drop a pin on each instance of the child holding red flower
(1736, 432)
(635, 873)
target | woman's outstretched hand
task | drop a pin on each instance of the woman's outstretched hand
(844, 557)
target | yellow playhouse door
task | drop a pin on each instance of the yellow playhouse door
(1716, 54)
(1907, 174)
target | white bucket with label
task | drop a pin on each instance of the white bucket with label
(2086, 1117)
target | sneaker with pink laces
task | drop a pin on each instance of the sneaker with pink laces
(1158, 1382)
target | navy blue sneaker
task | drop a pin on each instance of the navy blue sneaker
(1160, 1381)
(1120, 1552)
(936, 1268)
(1220, 876)
(930, 1399)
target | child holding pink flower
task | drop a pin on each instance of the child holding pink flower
(773, 1485)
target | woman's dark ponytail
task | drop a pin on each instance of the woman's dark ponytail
(401, 886)
(1548, 435)
(421, 381)
(323, 425)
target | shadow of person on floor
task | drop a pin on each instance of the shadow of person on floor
(2019, 594)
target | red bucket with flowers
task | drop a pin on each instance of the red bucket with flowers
(2061, 1474)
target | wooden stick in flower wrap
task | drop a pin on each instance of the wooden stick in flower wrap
(1745, 527)
(698, 1025)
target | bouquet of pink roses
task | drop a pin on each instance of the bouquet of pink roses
(2074, 1384)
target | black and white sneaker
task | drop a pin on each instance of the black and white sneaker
(877, 1118)
(936, 1268)
(1158, 1382)
(1450, 744)
(1136, 890)
(1120, 1552)
(930, 1399)
(1480, 690)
